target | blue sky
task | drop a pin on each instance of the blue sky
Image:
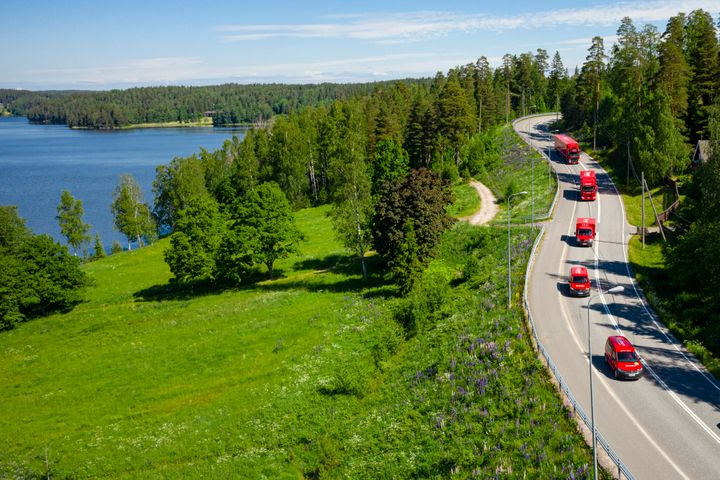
(118, 44)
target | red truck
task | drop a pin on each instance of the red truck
(579, 282)
(567, 147)
(588, 185)
(585, 231)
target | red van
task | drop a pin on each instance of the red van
(585, 231)
(579, 282)
(622, 358)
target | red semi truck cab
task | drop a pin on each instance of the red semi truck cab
(579, 282)
(568, 148)
(585, 231)
(588, 185)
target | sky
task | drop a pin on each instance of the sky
(99, 45)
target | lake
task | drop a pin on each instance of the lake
(38, 161)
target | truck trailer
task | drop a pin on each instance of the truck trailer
(568, 148)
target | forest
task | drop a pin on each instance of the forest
(229, 104)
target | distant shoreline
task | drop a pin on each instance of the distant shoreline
(205, 123)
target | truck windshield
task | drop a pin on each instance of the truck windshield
(627, 357)
(579, 279)
(585, 232)
(588, 188)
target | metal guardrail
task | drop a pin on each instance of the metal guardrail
(548, 214)
(622, 469)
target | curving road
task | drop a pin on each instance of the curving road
(665, 425)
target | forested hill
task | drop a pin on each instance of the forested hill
(227, 104)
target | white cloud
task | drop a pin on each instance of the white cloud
(428, 24)
(142, 70)
(191, 70)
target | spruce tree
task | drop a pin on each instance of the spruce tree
(701, 53)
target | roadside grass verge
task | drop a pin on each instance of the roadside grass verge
(466, 202)
(314, 374)
(514, 173)
(648, 264)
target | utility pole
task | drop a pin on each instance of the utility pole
(642, 181)
(627, 180)
(532, 193)
(557, 107)
(549, 170)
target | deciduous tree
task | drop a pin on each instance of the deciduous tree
(262, 221)
(420, 199)
(199, 230)
(72, 227)
(130, 212)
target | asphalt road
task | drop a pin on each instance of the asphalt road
(665, 425)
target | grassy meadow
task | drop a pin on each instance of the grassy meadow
(315, 374)
(466, 202)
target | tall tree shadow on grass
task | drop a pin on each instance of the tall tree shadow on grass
(316, 275)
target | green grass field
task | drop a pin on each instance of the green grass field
(306, 376)
(466, 203)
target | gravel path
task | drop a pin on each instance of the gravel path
(488, 205)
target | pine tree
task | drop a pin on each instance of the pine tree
(453, 118)
(420, 134)
(557, 81)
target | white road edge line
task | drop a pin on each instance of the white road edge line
(705, 375)
(617, 328)
(582, 348)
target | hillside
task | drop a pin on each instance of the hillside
(305, 376)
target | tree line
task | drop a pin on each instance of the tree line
(649, 97)
(384, 161)
(228, 104)
(383, 155)
(647, 101)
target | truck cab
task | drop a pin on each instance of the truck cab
(585, 231)
(579, 282)
(588, 185)
(622, 358)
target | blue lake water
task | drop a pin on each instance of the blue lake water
(38, 161)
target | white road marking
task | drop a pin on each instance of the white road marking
(608, 389)
(705, 375)
(576, 339)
